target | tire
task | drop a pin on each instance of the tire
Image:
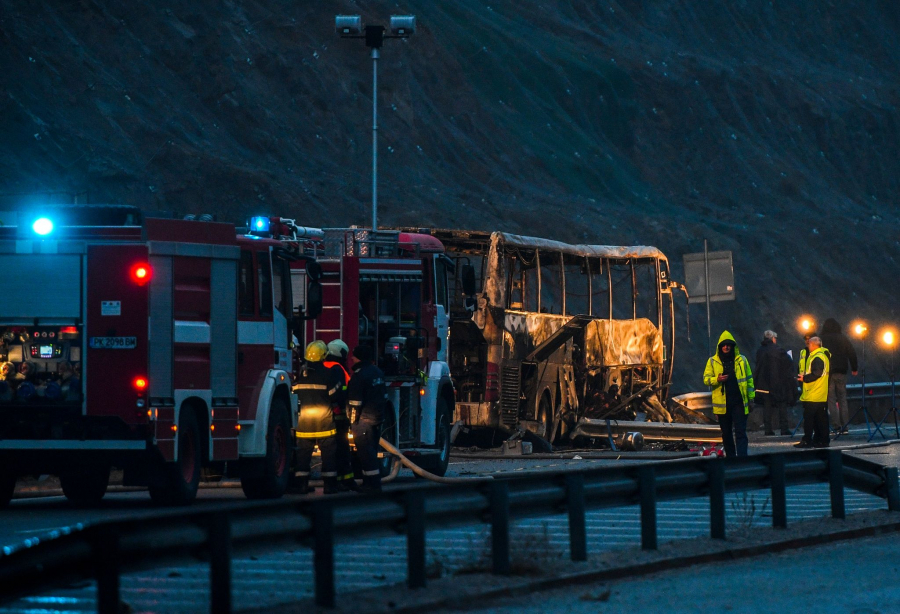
(267, 478)
(389, 434)
(7, 488)
(176, 483)
(85, 484)
(545, 417)
(438, 463)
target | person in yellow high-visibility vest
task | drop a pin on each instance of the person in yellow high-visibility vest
(814, 397)
(728, 374)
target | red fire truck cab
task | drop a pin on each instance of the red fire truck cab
(158, 346)
(388, 290)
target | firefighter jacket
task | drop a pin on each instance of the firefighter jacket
(339, 400)
(715, 368)
(316, 389)
(367, 394)
(815, 376)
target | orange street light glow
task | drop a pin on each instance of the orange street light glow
(806, 324)
(889, 338)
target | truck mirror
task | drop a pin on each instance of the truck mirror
(314, 270)
(467, 274)
(313, 300)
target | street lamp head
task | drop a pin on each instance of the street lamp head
(889, 338)
(860, 329)
(403, 26)
(806, 324)
(348, 25)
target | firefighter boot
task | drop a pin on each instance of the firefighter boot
(300, 486)
(331, 486)
(348, 484)
(371, 483)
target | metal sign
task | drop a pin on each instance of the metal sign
(721, 276)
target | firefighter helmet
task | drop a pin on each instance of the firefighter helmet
(338, 349)
(316, 351)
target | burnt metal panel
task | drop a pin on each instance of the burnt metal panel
(161, 327)
(510, 392)
(223, 328)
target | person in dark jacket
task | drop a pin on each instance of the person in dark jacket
(366, 400)
(336, 359)
(842, 354)
(775, 383)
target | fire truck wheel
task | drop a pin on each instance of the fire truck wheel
(7, 488)
(176, 483)
(438, 463)
(389, 433)
(85, 484)
(270, 480)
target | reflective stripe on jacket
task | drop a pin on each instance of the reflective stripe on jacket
(801, 364)
(715, 368)
(816, 391)
(315, 390)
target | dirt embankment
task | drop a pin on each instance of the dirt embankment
(771, 129)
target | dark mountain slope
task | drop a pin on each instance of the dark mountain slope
(771, 129)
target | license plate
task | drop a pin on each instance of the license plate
(113, 343)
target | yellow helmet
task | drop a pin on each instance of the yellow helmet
(315, 351)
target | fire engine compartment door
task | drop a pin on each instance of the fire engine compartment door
(45, 286)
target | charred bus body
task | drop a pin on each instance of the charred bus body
(546, 334)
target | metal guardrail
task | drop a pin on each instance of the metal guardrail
(104, 550)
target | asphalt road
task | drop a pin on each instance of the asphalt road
(286, 575)
(856, 577)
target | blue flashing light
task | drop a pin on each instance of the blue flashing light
(42, 226)
(259, 224)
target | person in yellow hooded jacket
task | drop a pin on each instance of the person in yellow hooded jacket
(728, 375)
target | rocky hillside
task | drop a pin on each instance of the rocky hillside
(769, 128)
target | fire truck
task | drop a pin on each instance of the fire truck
(388, 290)
(158, 346)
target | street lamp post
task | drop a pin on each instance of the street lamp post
(861, 331)
(351, 26)
(889, 339)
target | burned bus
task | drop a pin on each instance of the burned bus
(548, 335)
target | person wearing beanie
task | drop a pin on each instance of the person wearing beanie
(842, 355)
(728, 374)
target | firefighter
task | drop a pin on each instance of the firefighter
(316, 389)
(366, 400)
(335, 360)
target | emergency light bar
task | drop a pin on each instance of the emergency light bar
(259, 224)
(42, 226)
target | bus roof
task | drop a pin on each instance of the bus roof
(590, 251)
(480, 241)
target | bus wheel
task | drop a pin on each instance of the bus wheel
(7, 487)
(267, 478)
(545, 417)
(85, 484)
(176, 483)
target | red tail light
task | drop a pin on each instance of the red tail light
(140, 383)
(68, 330)
(141, 273)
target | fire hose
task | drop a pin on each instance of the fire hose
(388, 447)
